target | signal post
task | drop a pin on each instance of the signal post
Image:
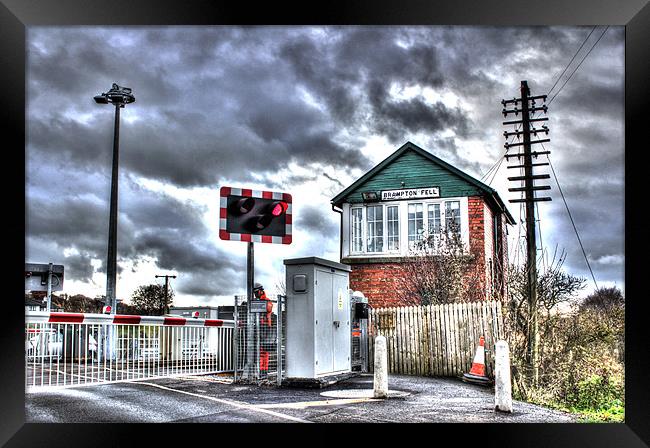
(254, 216)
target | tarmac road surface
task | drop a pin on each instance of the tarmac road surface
(210, 399)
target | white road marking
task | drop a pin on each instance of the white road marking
(307, 404)
(230, 402)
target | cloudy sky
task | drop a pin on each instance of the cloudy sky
(304, 110)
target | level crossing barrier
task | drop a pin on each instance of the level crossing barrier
(72, 349)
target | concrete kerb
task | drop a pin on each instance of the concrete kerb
(364, 393)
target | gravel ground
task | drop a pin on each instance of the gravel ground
(207, 399)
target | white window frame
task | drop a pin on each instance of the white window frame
(402, 212)
(367, 245)
(362, 228)
(399, 226)
(410, 244)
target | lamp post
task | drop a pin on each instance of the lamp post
(119, 97)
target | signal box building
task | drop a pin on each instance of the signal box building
(412, 193)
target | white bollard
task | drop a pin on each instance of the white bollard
(502, 385)
(381, 368)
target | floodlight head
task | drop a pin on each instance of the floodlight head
(119, 96)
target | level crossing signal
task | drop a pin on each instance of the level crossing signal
(255, 216)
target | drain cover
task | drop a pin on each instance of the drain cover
(362, 393)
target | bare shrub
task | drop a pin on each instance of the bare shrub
(440, 269)
(580, 342)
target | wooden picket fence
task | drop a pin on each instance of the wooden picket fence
(436, 340)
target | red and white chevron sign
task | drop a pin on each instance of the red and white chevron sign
(87, 318)
(265, 197)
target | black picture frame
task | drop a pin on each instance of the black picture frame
(16, 15)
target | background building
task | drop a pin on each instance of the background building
(410, 194)
(205, 312)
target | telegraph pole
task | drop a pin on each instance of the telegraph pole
(167, 277)
(527, 106)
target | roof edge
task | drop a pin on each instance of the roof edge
(337, 200)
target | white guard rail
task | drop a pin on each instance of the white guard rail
(72, 349)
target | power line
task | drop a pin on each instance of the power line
(541, 243)
(574, 56)
(578, 66)
(572, 222)
(496, 171)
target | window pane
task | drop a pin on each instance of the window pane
(357, 238)
(415, 223)
(433, 217)
(392, 221)
(452, 216)
(375, 229)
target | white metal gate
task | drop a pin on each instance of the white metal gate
(71, 349)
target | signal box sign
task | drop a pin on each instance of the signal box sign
(255, 216)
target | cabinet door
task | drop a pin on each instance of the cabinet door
(324, 322)
(341, 318)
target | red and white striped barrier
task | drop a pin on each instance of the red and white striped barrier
(125, 319)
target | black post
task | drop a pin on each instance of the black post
(249, 368)
(250, 271)
(111, 264)
(531, 243)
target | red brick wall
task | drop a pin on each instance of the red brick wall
(476, 218)
(379, 282)
(477, 235)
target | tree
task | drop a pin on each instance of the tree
(150, 300)
(604, 312)
(604, 300)
(441, 270)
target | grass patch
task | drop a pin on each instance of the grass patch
(607, 411)
(613, 414)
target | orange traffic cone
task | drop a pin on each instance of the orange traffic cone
(477, 373)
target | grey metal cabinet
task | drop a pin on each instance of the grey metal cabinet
(318, 318)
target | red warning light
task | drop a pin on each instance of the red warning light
(279, 208)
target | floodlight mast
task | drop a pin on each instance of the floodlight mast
(119, 97)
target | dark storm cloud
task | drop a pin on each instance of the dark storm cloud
(157, 210)
(446, 149)
(73, 223)
(598, 99)
(359, 65)
(399, 119)
(79, 267)
(67, 141)
(177, 251)
(205, 112)
(334, 180)
(317, 221)
(203, 270)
